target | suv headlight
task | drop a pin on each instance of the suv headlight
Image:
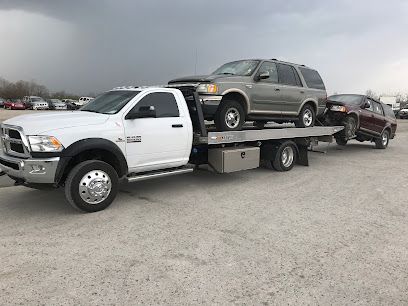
(338, 108)
(45, 144)
(207, 88)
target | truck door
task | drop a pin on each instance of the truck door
(379, 118)
(291, 93)
(367, 117)
(157, 133)
(265, 93)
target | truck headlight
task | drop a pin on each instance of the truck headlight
(338, 108)
(45, 144)
(207, 88)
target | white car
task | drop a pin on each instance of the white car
(35, 102)
(83, 101)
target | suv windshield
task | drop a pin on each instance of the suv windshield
(110, 102)
(241, 68)
(347, 99)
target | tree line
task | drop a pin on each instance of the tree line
(19, 89)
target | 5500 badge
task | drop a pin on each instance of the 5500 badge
(131, 139)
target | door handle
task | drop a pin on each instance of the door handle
(277, 89)
(177, 126)
(302, 91)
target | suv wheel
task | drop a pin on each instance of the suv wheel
(230, 116)
(91, 186)
(307, 117)
(382, 142)
(350, 127)
(341, 141)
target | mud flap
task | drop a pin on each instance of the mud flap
(303, 157)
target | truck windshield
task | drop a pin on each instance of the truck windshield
(110, 102)
(241, 68)
(347, 99)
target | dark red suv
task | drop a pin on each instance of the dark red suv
(364, 119)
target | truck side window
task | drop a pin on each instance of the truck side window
(287, 75)
(164, 103)
(378, 108)
(273, 72)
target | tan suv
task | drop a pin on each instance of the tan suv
(260, 91)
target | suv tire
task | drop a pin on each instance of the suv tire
(230, 116)
(307, 117)
(91, 186)
(350, 127)
(341, 141)
(382, 142)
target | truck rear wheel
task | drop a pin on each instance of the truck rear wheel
(91, 186)
(230, 116)
(283, 156)
(382, 142)
(307, 117)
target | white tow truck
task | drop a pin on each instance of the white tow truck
(134, 134)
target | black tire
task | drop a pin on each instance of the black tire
(382, 142)
(280, 162)
(341, 141)
(229, 107)
(350, 127)
(78, 173)
(307, 117)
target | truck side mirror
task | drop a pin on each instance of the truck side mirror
(263, 76)
(142, 112)
(366, 105)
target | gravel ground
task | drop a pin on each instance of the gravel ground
(332, 233)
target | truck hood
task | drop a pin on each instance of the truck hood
(202, 78)
(36, 124)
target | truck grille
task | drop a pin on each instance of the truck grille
(13, 142)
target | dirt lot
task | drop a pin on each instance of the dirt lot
(332, 233)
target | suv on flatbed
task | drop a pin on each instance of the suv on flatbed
(261, 91)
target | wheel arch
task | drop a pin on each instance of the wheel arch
(311, 102)
(356, 116)
(239, 96)
(87, 149)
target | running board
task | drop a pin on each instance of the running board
(156, 174)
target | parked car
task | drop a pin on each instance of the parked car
(83, 101)
(14, 104)
(56, 104)
(261, 91)
(2, 102)
(403, 113)
(34, 102)
(71, 104)
(364, 119)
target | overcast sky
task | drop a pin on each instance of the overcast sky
(87, 46)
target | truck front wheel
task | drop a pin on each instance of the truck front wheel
(230, 116)
(91, 186)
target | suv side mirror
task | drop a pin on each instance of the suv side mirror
(263, 76)
(366, 105)
(143, 112)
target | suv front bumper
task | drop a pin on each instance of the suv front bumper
(35, 171)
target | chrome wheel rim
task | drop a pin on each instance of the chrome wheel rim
(307, 117)
(95, 187)
(232, 118)
(287, 157)
(385, 139)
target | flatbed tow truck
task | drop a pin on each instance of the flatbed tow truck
(88, 152)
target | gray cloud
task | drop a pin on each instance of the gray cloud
(94, 45)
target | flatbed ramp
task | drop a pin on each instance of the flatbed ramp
(214, 138)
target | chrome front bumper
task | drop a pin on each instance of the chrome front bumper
(35, 171)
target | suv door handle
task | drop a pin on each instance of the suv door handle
(277, 89)
(302, 91)
(177, 126)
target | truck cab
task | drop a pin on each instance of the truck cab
(125, 130)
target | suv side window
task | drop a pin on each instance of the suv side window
(312, 78)
(378, 109)
(273, 72)
(287, 75)
(164, 103)
(371, 103)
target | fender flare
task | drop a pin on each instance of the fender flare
(238, 91)
(357, 116)
(315, 105)
(88, 144)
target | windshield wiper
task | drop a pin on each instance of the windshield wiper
(89, 110)
(228, 73)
